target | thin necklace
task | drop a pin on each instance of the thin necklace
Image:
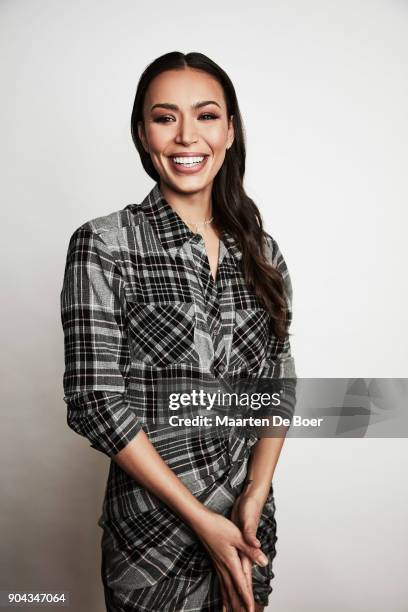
(200, 223)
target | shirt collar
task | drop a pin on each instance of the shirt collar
(171, 229)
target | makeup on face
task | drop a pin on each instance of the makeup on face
(190, 160)
(186, 127)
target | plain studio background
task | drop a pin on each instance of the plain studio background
(323, 93)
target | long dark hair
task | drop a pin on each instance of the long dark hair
(233, 210)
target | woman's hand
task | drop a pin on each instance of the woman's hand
(224, 542)
(246, 513)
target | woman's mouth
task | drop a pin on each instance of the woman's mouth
(188, 164)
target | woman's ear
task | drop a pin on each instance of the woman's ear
(231, 133)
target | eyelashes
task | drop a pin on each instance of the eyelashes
(163, 118)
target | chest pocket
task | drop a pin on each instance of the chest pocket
(162, 333)
(250, 337)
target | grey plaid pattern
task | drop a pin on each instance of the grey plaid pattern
(140, 309)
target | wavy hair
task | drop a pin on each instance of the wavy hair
(233, 210)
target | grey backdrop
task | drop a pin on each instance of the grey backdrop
(323, 92)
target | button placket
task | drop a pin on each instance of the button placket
(211, 298)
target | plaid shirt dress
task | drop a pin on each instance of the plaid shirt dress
(140, 308)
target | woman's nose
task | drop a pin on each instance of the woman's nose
(187, 133)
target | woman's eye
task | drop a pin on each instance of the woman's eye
(168, 119)
(210, 115)
(163, 119)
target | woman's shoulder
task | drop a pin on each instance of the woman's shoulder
(108, 230)
(110, 235)
(112, 222)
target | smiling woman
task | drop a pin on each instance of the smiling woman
(188, 519)
(186, 105)
(188, 139)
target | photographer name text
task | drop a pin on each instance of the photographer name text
(223, 421)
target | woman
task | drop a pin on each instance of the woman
(186, 286)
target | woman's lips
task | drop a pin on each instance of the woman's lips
(180, 169)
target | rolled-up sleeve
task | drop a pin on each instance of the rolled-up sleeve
(284, 354)
(97, 357)
(284, 363)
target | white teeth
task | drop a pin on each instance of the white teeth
(188, 161)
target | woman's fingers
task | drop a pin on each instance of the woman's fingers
(228, 589)
(235, 586)
(249, 533)
(223, 540)
(255, 554)
(248, 526)
(247, 569)
(240, 583)
(236, 599)
(224, 594)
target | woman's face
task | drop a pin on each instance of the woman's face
(186, 130)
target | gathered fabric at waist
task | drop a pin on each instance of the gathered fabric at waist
(148, 542)
(198, 460)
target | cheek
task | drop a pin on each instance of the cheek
(158, 139)
(217, 140)
(218, 135)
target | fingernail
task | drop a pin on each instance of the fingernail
(262, 560)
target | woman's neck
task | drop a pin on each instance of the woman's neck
(192, 207)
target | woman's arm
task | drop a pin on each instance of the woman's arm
(261, 466)
(265, 453)
(142, 462)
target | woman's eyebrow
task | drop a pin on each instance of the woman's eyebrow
(169, 106)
